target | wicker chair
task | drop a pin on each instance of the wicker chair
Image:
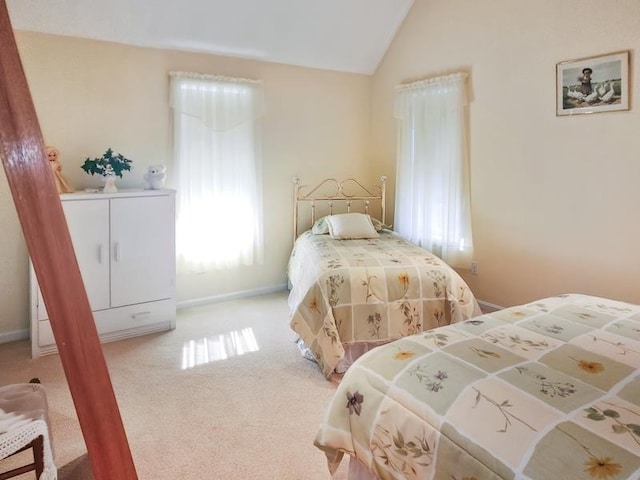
(24, 425)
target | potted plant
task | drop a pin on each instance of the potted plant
(109, 166)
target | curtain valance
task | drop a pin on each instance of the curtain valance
(452, 86)
(221, 103)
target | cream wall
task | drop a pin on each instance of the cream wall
(93, 95)
(555, 199)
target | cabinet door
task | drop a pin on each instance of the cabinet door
(142, 249)
(88, 222)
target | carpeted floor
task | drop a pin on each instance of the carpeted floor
(226, 395)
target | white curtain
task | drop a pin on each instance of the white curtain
(218, 166)
(432, 205)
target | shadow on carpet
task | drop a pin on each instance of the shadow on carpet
(78, 469)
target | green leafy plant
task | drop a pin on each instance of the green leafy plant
(109, 164)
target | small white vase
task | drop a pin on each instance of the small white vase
(110, 184)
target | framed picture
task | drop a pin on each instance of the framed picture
(593, 84)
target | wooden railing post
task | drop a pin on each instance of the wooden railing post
(49, 243)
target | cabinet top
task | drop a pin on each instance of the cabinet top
(122, 192)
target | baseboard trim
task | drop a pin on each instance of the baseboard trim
(16, 335)
(487, 307)
(230, 296)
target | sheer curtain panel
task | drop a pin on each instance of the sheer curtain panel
(218, 166)
(432, 189)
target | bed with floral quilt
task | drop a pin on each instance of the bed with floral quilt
(546, 390)
(349, 295)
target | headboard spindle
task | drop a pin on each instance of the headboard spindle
(343, 192)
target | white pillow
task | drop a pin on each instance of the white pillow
(351, 226)
(320, 227)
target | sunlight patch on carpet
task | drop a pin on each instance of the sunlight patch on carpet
(218, 347)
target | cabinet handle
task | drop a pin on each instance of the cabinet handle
(100, 254)
(116, 248)
(140, 314)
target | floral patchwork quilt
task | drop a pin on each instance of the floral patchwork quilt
(547, 390)
(369, 291)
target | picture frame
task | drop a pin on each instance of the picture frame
(593, 84)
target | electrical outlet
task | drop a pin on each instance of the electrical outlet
(474, 267)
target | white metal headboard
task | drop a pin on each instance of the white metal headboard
(331, 191)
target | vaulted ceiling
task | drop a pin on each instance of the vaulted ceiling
(343, 35)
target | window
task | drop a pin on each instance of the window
(432, 189)
(218, 167)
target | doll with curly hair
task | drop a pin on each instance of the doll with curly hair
(63, 186)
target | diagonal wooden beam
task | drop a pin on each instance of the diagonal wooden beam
(49, 244)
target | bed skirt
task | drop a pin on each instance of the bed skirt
(351, 353)
(357, 471)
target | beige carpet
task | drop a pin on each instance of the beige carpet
(189, 414)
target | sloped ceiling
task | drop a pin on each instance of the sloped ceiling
(343, 35)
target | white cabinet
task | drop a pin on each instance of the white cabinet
(125, 247)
